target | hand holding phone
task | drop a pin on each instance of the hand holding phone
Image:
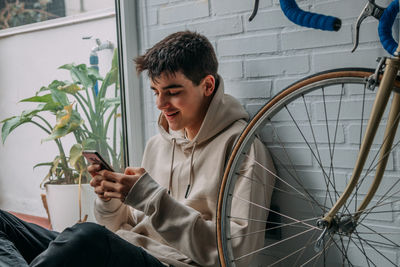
(93, 157)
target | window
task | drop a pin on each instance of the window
(15, 13)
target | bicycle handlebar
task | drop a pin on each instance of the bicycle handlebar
(309, 19)
(385, 27)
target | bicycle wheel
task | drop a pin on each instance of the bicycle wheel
(312, 130)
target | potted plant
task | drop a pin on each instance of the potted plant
(86, 107)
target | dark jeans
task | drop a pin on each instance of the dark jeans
(85, 244)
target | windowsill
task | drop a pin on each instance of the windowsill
(54, 23)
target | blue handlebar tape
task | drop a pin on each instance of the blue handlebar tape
(385, 27)
(309, 19)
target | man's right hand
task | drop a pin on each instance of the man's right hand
(96, 181)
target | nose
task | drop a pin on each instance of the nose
(162, 101)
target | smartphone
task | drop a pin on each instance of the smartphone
(93, 157)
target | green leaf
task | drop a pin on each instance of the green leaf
(47, 99)
(94, 74)
(43, 164)
(70, 88)
(72, 122)
(80, 75)
(67, 66)
(111, 102)
(11, 123)
(75, 154)
(57, 133)
(42, 99)
(89, 144)
(60, 97)
(114, 62)
(53, 85)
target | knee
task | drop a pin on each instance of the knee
(84, 234)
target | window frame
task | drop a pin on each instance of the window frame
(131, 94)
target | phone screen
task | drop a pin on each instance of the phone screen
(93, 157)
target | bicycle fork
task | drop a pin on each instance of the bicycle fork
(348, 223)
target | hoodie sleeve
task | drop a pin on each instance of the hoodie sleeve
(184, 227)
(113, 214)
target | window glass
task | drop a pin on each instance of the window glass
(15, 13)
(60, 94)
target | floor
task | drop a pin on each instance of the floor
(42, 221)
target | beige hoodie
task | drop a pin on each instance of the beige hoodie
(171, 210)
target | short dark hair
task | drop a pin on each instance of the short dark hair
(185, 51)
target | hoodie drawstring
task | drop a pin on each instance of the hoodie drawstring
(172, 165)
(190, 172)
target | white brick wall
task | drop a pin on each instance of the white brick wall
(260, 58)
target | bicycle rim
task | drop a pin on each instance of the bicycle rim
(313, 130)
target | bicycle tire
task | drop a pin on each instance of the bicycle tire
(340, 87)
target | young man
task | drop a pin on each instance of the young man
(164, 213)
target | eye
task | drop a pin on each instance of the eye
(155, 92)
(173, 93)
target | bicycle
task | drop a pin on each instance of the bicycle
(328, 166)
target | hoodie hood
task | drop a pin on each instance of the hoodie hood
(222, 112)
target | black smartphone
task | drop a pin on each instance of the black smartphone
(93, 157)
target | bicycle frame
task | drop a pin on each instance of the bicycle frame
(381, 100)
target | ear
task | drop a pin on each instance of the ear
(209, 85)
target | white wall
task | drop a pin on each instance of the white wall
(29, 60)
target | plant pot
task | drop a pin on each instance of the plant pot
(63, 204)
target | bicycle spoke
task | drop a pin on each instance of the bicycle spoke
(325, 175)
(379, 234)
(280, 225)
(269, 246)
(331, 169)
(296, 176)
(280, 179)
(313, 136)
(380, 253)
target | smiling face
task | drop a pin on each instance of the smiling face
(182, 103)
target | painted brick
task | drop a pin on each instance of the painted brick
(221, 7)
(231, 69)
(354, 134)
(156, 2)
(310, 38)
(297, 110)
(342, 9)
(369, 32)
(272, 66)
(248, 89)
(187, 11)
(252, 109)
(389, 186)
(354, 252)
(248, 45)
(297, 156)
(292, 134)
(350, 109)
(316, 180)
(157, 34)
(269, 19)
(218, 27)
(361, 57)
(345, 158)
(152, 17)
(282, 83)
